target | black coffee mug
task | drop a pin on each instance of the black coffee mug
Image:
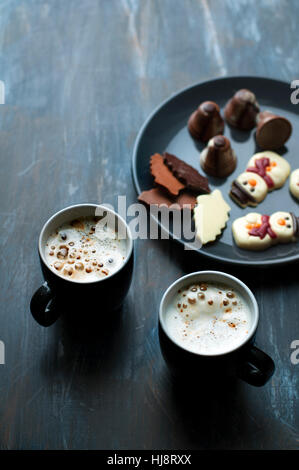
(245, 361)
(107, 293)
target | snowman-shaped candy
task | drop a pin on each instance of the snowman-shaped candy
(253, 232)
(273, 168)
(284, 224)
(258, 232)
(249, 189)
(294, 183)
(267, 171)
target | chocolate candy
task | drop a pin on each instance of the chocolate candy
(241, 196)
(295, 221)
(210, 216)
(294, 183)
(158, 196)
(265, 172)
(260, 231)
(241, 110)
(218, 158)
(272, 130)
(187, 174)
(206, 121)
(163, 175)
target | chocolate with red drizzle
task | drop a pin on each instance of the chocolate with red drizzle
(260, 169)
(264, 229)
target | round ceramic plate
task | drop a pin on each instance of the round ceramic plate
(166, 130)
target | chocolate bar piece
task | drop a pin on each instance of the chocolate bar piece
(187, 174)
(296, 224)
(163, 175)
(158, 196)
(240, 196)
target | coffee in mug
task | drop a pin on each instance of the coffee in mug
(207, 326)
(85, 249)
(208, 318)
(86, 252)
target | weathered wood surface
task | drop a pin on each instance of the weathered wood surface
(81, 77)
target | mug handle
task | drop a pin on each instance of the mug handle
(44, 307)
(256, 367)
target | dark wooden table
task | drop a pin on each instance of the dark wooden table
(80, 78)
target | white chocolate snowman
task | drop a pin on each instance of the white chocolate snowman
(276, 169)
(282, 223)
(241, 232)
(258, 232)
(265, 171)
(255, 187)
(294, 183)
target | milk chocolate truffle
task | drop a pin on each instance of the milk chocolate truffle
(218, 158)
(241, 110)
(206, 121)
(272, 130)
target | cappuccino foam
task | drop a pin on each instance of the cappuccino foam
(208, 318)
(85, 250)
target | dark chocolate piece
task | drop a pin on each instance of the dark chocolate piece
(272, 130)
(296, 224)
(218, 158)
(206, 121)
(158, 196)
(241, 110)
(187, 174)
(239, 193)
(163, 175)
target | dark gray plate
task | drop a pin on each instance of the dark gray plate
(166, 130)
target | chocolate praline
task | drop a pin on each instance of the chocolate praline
(241, 110)
(218, 158)
(272, 130)
(206, 121)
